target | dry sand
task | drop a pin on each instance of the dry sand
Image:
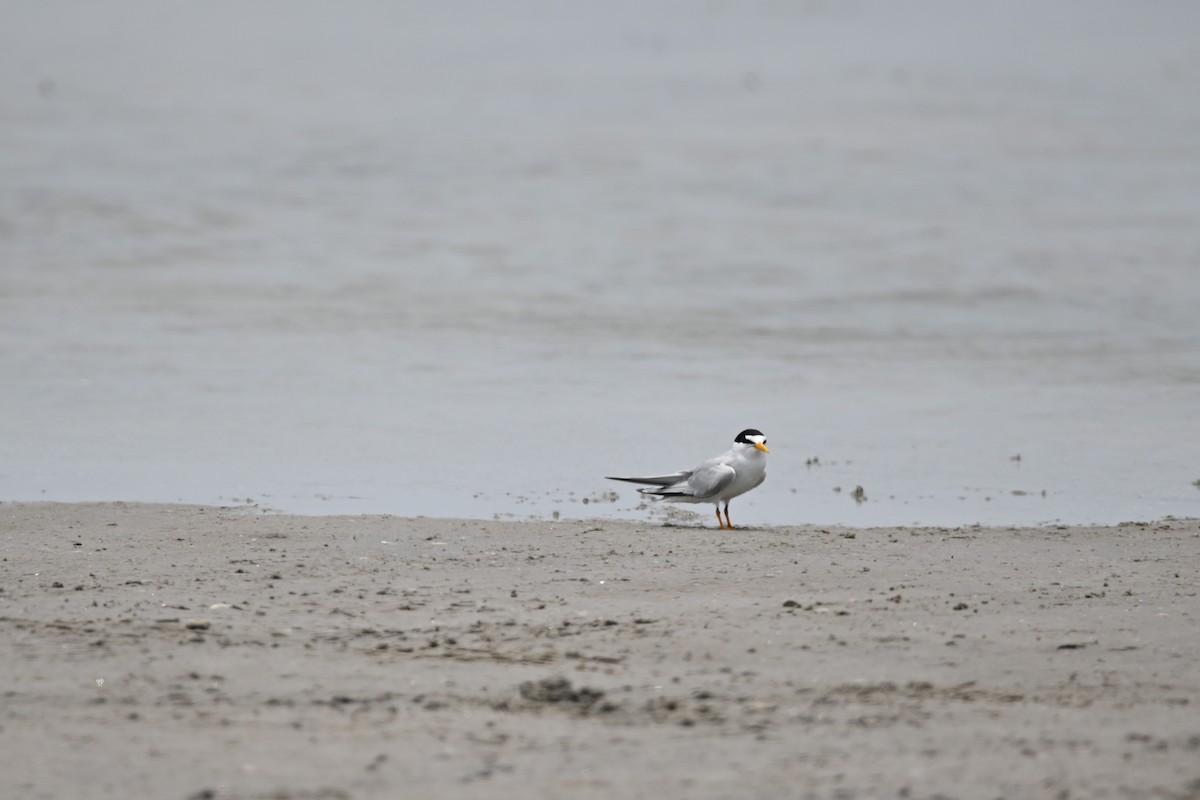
(187, 652)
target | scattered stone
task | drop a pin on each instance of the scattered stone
(560, 692)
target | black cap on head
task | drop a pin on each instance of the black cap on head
(744, 436)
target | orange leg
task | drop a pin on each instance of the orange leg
(720, 522)
(728, 524)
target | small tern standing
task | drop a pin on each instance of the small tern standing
(717, 480)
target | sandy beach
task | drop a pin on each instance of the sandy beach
(193, 652)
(305, 280)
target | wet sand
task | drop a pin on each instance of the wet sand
(191, 652)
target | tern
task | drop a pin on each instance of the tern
(717, 480)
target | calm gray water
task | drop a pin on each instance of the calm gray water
(464, 259)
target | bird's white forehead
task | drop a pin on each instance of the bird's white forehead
(757, 439)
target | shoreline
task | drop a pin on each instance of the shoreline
(599, 510)
(186, 651)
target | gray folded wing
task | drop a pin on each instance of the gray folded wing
(710, 478)
(703, 482)
(656, 480)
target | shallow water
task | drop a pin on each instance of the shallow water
(464, 261)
